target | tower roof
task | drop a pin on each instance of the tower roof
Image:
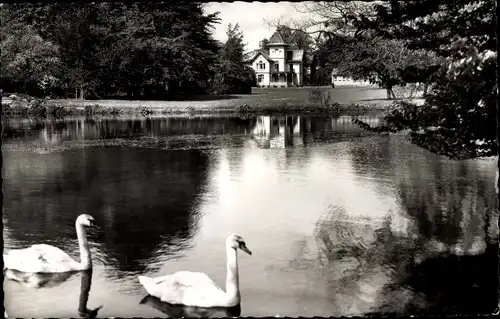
(276, 39)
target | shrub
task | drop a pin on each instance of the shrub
(167, 110)
(37, 107)
(359, 109)
(283, 108)
(145, 111)
(190, 109)
(115, 111)
(91, 110)
(55, 110)
(334, 109)
(244, 108)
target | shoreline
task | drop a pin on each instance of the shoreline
(335, 109)
(353, 101)
(57, 109)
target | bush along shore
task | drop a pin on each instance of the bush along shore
(36, 107)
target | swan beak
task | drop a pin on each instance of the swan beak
(245, 249)
(93, 224)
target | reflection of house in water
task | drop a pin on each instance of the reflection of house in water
(277, 131)
(56, 132)
(287, 131)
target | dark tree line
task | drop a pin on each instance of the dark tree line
(97, 50)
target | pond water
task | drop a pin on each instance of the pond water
(340, 221)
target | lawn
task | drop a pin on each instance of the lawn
(261, 99)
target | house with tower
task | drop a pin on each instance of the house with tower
(279, 64)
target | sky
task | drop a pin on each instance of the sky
(251, 18)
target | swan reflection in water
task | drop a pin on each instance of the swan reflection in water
(51, 280)
(180, 311)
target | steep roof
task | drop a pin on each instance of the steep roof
(253, 55)
(276, 38)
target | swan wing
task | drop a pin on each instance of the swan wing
(185, 288)
(40, 259)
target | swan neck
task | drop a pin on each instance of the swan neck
(85, 260)
(232, 280)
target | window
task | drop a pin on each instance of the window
(289, 55)
(291, 67)
(277, 66)
(260, 78)
(261, 66)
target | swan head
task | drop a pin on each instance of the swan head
(236, 241)
(86, 220)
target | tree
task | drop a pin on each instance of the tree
(233, 76)
(143, 49)
(27, 60)
(329, 54)
(458, 116)
(460, 36)
(383, 61)
(263, 44)
(344, 44)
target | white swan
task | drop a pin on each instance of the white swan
(49, 259)
(197, 289)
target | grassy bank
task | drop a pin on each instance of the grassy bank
(291, 101)
(57, 109)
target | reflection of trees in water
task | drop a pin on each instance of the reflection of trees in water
(57, 131)
(372, 157)
(280, 131)
(316, 129)
(361, 256)
(20, 128)
(452, 205)
(141, 198)
(449, 200)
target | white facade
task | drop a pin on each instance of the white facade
(278, 66)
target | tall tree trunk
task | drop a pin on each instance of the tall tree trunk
(390, 92)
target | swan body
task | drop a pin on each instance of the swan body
(197, 289)
(44, 258)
